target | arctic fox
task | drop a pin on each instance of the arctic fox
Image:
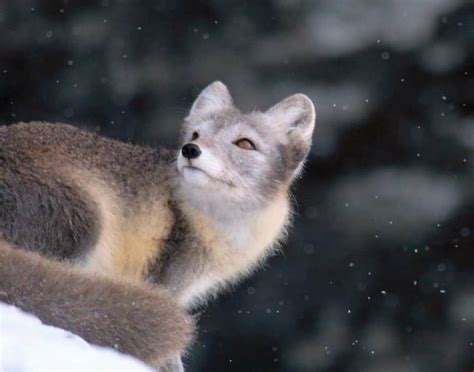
(115, 242)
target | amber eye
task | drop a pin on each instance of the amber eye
(195, 136)
(245, 144)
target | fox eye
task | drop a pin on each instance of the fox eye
(245, 143)
(195, 136)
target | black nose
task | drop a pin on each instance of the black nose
(191, 151)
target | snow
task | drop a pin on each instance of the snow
(28, 345)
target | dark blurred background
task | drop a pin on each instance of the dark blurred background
(378, 273)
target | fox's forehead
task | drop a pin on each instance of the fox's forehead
(233, 122)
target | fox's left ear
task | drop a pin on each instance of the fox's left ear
(297, 117)
(214, 98)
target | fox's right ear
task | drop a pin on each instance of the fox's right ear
(296, 117)
(215, 97)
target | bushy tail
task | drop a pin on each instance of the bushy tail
(134, 318)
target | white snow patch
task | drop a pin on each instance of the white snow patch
(28, 345)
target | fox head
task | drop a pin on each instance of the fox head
(242, 160)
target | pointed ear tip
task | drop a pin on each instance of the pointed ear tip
(304, 98)
(308, 105)
(214, 97)
(218, 85)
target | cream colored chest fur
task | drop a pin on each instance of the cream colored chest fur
(236, 247)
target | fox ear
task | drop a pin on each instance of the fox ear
(295, 116)
(215, 97)
(295, 113)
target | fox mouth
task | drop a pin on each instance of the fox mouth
(196, 169)
(192, 168)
